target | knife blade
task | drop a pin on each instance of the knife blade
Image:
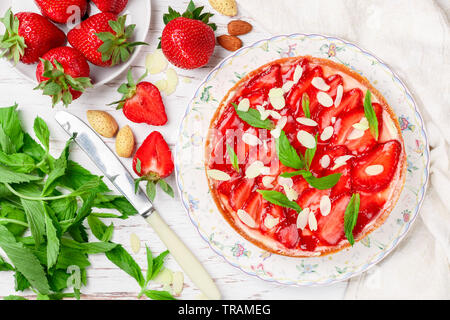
(113, 169)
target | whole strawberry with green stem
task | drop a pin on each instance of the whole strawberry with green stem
(62, 10)
(141, 102)
(188, 40)
(104, 39)
(153, 162)
(113, 6)
(28, 36)
(63, 74)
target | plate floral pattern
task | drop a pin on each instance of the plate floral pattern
(223, 239)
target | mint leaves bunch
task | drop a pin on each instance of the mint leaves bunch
(52, 198)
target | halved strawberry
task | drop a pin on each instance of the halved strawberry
(155, 158)
(266, 80)
(331, 227)
(294, 98)
(241, 192)
(153, 162)
(142, 102)
(350, 100)
(310, 198)
(344, 127)
(386, 155)
(288, 236)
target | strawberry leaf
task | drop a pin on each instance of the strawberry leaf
(12, 45)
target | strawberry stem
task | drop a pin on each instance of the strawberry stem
(12, 44)
(128, 89)
(115, 45)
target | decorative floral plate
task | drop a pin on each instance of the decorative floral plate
(223, 239)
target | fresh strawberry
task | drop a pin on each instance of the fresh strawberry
(63, 73)
(142, 102)
(386, 155)
(113, 6)
(331, 227)
(63, 10)
(28, 36)
(188, 40)
(266, 80)
(104, 39)
(350, 100)
(241, 192)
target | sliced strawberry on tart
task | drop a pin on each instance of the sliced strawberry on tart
(305, 157)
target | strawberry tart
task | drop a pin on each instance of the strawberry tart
(304, 157)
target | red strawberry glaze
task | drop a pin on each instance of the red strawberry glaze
(274, 227)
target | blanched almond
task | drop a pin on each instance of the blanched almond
(307, 121)
(125, 142)
(302, 218)
(103, 123)
(327, 133)
(306, 139)
(325, 205)
(251, 139)
(339, 93)
(374, 170)
(324, 99)
(312, 221)
(320, 84)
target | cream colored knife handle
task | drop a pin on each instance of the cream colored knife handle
(187, 261)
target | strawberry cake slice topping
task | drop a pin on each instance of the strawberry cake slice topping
(300, 161)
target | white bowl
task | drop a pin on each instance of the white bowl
(138, 12)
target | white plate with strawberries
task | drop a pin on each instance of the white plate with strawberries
(137, 12)
(250, 258)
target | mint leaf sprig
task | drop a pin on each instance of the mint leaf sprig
(305, 105)
(370, 115)
(289, 157)
(233, 158)
(279, 199)
(351, 217)
(253, 118)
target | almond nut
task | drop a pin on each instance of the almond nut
(125, 142)
(239, 27)
(231, 43)
(225, 7)
(102, 122)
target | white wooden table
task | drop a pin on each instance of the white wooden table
(105, 280)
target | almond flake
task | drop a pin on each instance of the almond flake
(280, 125)
(362, 125)
(339, 93)
(355, 134)
(274, 114)
(156, 62)
(246, 218)
(267, 181)
(165, 277)
(244, 105)
(374, 170)
(325, 161)
(340, 161)
(254, 169)
(135, 243)
(276, 98)
(265, 170)
(218, 175)
(333, 120)
(312, 222)
(282, 181)
(251, 139)
(306, 139)
(325, 205)
(307, 121)
(324, 99)
(172, 81)
(263, 112)
(327, 133)
(270, 221)
(275, 133)
(291, 194)
(302, 218)
(288, 86)
(178, 283)
(297, 73)
(320, 84)
(161, 85)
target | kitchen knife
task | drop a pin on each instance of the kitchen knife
(114, 170)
